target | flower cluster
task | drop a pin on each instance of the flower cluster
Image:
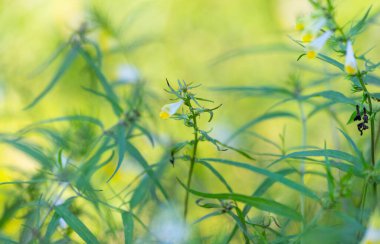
(316, 30)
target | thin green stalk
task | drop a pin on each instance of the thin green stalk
(362, 205)
(192, 160)
(302, 167)
(372, 128)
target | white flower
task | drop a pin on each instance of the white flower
(300, 24)
(315, 46)
(169, 109)
(350, 65)
(311, 30)
(169, 227)
(372, 236)
(128, 73)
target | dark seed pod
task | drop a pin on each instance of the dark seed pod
(357, 117)
(360, 128)
(365, 116)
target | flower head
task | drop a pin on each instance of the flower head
(300, 24)
(350, 65)
(169, 109)
(311, 30)
(372, 234)
(315, 46)
(128, 73)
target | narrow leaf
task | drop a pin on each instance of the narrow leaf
(257, 202)
(277, 177)
(128, 227)
(69, 59)
(76, 224)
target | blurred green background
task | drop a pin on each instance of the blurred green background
(173, 39)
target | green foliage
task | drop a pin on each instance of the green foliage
(116, 169)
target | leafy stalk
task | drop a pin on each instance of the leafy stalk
(193, 156)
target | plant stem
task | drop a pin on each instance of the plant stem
(192, 160)
(372, 128)
(302, 167)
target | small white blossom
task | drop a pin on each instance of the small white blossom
(128, 73)
(170, 109)
(372, 234)
(169, 227)
(310, 31)
(350, 65)
(315, 46)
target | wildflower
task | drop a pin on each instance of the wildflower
(170, 109)
(300, 24)
(311, 31)
(372, 235)
(128, 73)
(350, 65)
(315, 46)
(169, 227)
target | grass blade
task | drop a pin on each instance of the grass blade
(277, 177)
(257, 202)
(76, 224)
(69, 59)
(259, 119)
(132, 150)
(128, 227)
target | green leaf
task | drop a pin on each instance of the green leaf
(76, 224)
(254, 90)
(217, 174)
(332, 95)
(257, 202)
(81, 118)
(357, 151)
(359, 26)
(118, 110)
(331, 61)
(268, 182)
(139, 192)
(30, 150)
(132, 150)
(323, 153)
(276, 177)
(69, 59)
(330, 178)
(103, 80)
(7, 240)
(270, 48)
(212, 214)
(259, 119)
(121, 133)
(128, 227)
(146, 133)
(51, 228)
(10, 209)
(50, 60)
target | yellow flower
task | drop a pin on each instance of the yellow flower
(350, 65)
(169, 109)
(315, 46)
